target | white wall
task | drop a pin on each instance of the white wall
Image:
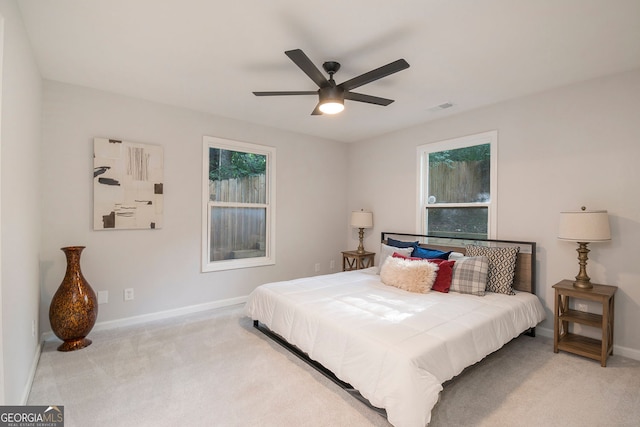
(20, 216)
(163, 266)
(558, 150)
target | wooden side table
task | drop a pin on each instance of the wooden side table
(577, 344)
(352, 260)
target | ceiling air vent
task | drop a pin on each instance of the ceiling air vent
(441, 107)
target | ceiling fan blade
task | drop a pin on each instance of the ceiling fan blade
(316, 111)
(299, 92)
(305, 64)
(376, 74)
(367, 98)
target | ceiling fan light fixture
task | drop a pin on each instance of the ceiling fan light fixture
(331, 106)
(331, 100)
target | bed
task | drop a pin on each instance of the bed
(395, 348)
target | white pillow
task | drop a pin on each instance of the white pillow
(412, 276)
(386, 251)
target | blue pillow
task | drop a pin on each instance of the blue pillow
(401, 244)
(429, 253)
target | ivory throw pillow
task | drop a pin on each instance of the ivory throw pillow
(412, 276)
(502, 267)
(386, 251)
(442, 283)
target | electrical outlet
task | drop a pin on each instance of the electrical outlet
(128, 294)
(581, 307)
(103, 297)
(317, 267)
(33, 328)
(332, 264)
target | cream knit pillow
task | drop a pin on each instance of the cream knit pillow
(412, 276)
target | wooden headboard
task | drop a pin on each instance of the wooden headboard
(525, 263)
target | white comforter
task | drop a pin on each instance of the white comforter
(395, 347)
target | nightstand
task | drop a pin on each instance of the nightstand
(352, 260)
(563, 315)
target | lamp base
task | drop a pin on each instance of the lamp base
(360, 249)
(583, 281)
(582, 284)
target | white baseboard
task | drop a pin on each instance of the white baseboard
(631, 353)
(32, 374)
(544, 332)
(619, 350)
(144, 318)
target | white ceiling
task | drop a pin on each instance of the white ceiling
(209, 55)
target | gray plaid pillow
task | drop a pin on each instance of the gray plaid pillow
(502, 267)
(470, 275)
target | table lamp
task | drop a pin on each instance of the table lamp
(361, 219)
(584, 227)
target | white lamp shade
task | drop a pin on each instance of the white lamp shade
(584, 226)
(361, 219)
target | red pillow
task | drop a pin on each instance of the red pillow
(445, 271)
(397, 255)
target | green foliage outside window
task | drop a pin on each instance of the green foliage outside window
(466, 154)
(228, 164)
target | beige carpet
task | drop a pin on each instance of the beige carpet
(215, 369)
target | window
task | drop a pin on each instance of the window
(238, 221)
(458, 187)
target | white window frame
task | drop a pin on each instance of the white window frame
(423, 152)
(270, 205)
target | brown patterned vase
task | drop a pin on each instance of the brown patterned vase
(74, 307)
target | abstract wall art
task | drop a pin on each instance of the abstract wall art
(127, 185)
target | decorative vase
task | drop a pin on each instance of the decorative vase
(74, 307)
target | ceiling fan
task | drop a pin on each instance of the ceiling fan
(332, 96)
